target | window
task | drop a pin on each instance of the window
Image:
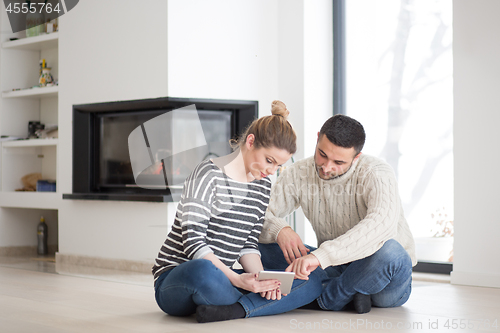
(399, 85)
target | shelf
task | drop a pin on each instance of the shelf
(30, 143)
(45, 92)
(41, 200)
(38, 43)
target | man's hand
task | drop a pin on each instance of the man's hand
(291, 244)
(303, 266)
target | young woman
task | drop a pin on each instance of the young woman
(218, 221)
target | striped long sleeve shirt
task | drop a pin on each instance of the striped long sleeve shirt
(215, 215)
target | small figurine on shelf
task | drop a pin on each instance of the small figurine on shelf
(46, 79)
(33, 129)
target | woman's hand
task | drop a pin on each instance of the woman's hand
(273, 294)
(248, 281)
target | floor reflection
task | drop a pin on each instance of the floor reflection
(47, 264)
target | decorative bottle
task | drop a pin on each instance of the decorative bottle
(46, 78)
(42, 237)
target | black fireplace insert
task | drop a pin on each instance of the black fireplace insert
(142, 150)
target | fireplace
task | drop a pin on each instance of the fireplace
(142, 150)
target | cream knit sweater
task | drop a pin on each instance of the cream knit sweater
(352, 215)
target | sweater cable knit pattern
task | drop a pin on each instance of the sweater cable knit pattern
(352, 215)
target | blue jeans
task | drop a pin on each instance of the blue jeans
(385, 275)
(180, 290)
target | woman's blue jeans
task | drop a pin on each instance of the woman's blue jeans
(180, 290)
(385, 275)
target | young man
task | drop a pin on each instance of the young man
(352, 201)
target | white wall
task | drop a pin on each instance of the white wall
(476, 139)
(318, 70)
(108, 51)
(291, 64)
(223, 49)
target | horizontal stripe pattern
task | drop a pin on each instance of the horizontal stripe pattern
(215, 215)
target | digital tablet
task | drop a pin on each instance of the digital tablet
(286, 279)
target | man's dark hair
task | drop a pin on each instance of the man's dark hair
(345, 132)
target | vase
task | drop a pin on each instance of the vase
(46, 78)
(34, 24)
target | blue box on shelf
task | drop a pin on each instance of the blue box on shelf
(45, 186)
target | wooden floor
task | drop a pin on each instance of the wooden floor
(36, 298)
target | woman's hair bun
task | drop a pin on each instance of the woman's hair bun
(278, 108)
(271, 131)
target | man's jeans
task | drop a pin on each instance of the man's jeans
(180, 290)
(385, 275)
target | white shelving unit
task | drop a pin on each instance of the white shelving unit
(38, 43)
(35, 93)
(30, 143)
(32, 200)
(20, 104)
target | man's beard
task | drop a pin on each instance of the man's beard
(324, 176)
(329, 175)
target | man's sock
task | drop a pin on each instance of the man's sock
(311, 306)
(362, 303)
(210, 313)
